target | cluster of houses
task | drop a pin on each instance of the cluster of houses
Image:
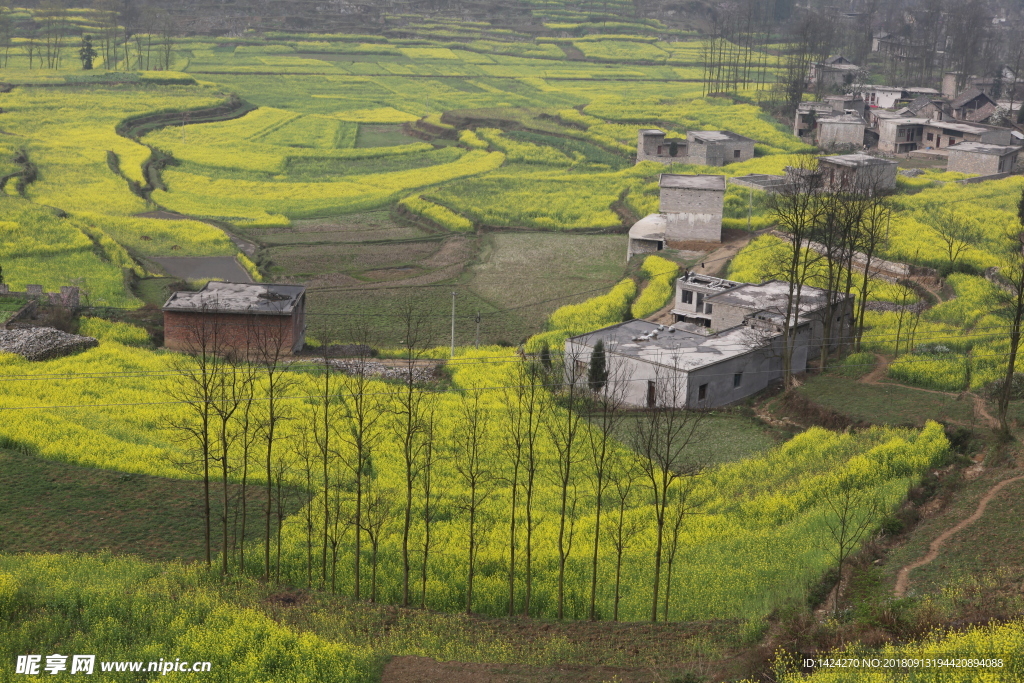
(961, 129)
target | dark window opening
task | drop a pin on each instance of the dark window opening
(931, 136)
(737, 379)
(707, 308)
(735, 154)
(702, 392)
(687, 297)
(651, 396)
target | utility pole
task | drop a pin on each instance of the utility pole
(750, 205)
(478, 329)
(453, 325)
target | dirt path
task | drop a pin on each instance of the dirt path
(876, 375)
(903, 576)
(982, 412)
(715, 261)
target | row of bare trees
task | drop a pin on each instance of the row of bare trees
(128, 35)
(381, 464)
(836, 224)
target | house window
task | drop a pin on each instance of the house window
(737, 379)
(707, 308)
(651, 394)
(931, 136)
(687, 297)
(952, 141)
(735, 154)
(702, 392)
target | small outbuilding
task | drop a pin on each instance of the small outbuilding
(857, 171)
(238, 317)
(703, 147)
(982, 158)
(841, 132)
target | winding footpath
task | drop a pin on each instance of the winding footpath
(903, 576)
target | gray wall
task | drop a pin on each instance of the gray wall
(692, 214)
(833, 135)
(982, 164)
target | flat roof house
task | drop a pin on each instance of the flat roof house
(841, 131)
(982, 158)
(691, 209)
(704, 147)
(726, 344)
(857, 172)
(239, 317)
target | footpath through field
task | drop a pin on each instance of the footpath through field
(903, 576)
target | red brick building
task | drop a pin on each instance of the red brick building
(236, 316)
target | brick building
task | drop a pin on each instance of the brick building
(233, 316)
(841, 132)
(857, 171)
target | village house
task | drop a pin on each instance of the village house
(239, 317)
(703, 147)
(726, 343)
(805, 122)
(889, 97)
(861, 172)
(834, 72)
(973, 105)
(899, 135)
(840, 132)
(927, 107)
(981, 158)
(844, 104)
(690, 209)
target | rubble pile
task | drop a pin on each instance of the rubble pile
(43, 343)
(420, 373)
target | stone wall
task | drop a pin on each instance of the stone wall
(973, 162)
(67, 296)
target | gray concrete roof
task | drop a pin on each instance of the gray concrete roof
(771, 296)
(962, 127)
(674, 347)
(983, 148)
(908, 120)
(843, 118)
(715, 135)
(856, 160)
(693, 182)
(237, 297)
(652, 131)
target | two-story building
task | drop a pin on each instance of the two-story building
(691, 208)
(727, 342)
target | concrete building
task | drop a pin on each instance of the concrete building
(704, 147)
(805, 123)
(900, 134)
(927, 107)
(690, 209)
(939, 134)
(840, 132)
(888, 97)
(727, 343)
(983, 159)
(236, 317)
(834, 72)
(857, 171)
(843, 104)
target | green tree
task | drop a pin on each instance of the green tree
(597, 375)
(87, 53)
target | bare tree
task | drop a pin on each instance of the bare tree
(625, 526)
(601, 445)
(379, 509)
(851, 514)
(661, 438)
(522, 425)
(1013, 274)
(432, 495)
(564, 423)
(957, 232)
(471, 460)
(196, 376)
(797, 209)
